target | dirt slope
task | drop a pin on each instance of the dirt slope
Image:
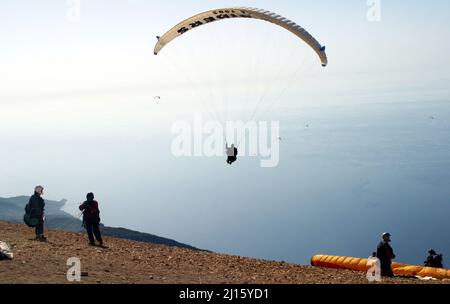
(133, 262)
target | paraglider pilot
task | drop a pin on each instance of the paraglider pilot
(232, 153)
(91, 219)
(385, 254)
(36, 207)
(434, 259)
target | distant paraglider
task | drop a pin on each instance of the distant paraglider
(232, 153)
(157, 99)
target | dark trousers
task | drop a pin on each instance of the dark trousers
(386, 269)
(231, 159)
(39, 227)
(93, 229)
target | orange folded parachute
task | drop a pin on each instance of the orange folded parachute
(360, 264)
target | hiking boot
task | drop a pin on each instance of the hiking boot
(91, 243)
(41, 238)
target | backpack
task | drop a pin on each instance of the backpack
(88, 214)
(438, 261)
(28, 220)
(5, 252)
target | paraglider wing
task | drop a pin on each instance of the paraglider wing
(241, 12)
(360, 264)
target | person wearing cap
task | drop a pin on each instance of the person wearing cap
(385, 254)
(91, 219)
(37, 205)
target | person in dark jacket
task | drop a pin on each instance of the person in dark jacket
(91, 219)
(434, 260)
(385, 254)
(36, 206)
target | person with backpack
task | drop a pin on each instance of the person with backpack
(434, 260)
(34, 213)
(91, 219)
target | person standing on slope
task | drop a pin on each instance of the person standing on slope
(91, 219)
(36, 207)
(385, 254)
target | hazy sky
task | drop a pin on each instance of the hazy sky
(77, 114)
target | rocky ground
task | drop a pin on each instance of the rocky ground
(132, 262)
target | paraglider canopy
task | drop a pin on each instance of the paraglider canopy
(240, 12)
